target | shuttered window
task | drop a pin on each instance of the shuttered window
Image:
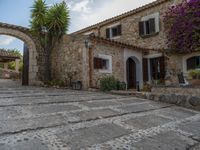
(193, 63)
(98, 63)
(108, 33)
(114, 31)
(147, 27)
(141, 28)
(162, 67)
(152, 26)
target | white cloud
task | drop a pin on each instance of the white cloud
(107, 9)
(6, 40)
(82, 7)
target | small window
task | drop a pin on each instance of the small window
(193, 63)
(100, 63)
(113, 31)
(103, 63)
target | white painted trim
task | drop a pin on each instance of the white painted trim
(113, 25)
(137, 57)
(88, 33)
(153, 55)
(109, 58)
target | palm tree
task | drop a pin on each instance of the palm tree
(49, 25)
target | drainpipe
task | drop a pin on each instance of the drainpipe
(90, 56)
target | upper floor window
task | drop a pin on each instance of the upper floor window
(113, 31)
(193, 63)
(149, 25)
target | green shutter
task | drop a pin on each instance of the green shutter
(145, 70)
(108, 33)
(119, 29)
(152, 25)
(141, 28)
(162, 67)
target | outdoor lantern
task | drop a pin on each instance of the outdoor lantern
(87, 44)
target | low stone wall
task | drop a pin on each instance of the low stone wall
(187, 101)
(182, 96)
(195, 91)
(9, 74)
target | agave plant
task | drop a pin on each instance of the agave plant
(49, 25)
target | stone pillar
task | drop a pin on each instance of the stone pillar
(17, 65)
(5, 65)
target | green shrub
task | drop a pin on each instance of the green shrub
(194, 74)
(108, 83)
(121, 85)
(55, 82)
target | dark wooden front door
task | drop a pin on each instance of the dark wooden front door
(25, 71)
(131, 73)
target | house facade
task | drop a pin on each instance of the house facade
(132, 47)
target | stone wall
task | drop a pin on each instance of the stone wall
(188, 101)
(177, 90)
(181, 96)
(117, 55)
(68, 59)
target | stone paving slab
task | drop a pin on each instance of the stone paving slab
(25, 144)
(147, 121)
(192, 127)
(86, 137)
(165, 141)
(46, 118)
(95, 114)
(177, 112)
(16, 125)
(142, 107)
(51, 108)
(100, 103)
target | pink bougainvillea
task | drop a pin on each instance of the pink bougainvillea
(182, 25)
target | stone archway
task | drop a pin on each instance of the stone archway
(24, 35)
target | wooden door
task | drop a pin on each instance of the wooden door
(131, 73)
(25, 72)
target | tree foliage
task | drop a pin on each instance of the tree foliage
(182, 25)
(49, 24)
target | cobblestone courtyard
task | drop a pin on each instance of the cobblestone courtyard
(34, 118)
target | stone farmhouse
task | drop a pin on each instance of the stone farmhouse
(132, 47)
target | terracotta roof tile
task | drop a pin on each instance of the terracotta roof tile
(6, 54)
(123, 45)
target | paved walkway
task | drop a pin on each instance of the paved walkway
(33, 118)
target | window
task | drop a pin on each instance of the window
(149, 25)
(103, 63)
(100, 63)
(113, 32)
(193, 63)
(157, 68)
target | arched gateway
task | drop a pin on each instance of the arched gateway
(25, 35)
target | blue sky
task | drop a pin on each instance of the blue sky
(82, 13)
